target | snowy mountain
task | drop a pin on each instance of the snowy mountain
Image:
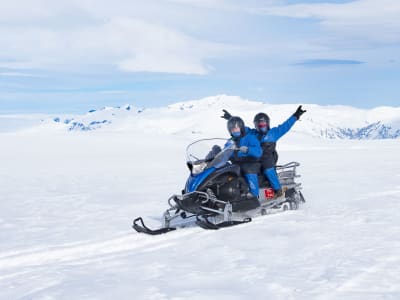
(96, 119)
(187, 117)
(202, 117)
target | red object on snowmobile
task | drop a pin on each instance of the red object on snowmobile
(269, 193)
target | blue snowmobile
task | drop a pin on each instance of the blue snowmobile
(216, 194)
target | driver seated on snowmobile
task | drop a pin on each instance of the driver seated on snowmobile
(268, 137)
(248, 152)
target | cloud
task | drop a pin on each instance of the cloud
(186, 36)
(78, 35)
(18, 74)
(153, 48)
(327, 62)
(366, 19)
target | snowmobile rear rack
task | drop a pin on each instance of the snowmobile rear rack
(144, 229)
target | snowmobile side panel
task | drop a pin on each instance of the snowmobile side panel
(195, 180)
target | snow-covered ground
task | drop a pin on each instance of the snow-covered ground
(67, 200)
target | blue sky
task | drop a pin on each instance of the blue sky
(70, 56)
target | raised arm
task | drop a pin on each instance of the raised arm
(276, 133)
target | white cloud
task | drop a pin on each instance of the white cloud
(18, 74)
(229, 5)
(366, 19)
(170, 36)
(82, 34)
(153, 48)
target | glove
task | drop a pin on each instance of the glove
(244, 149)
(216, 149)
(299, 112)
(226, 115)
(213, 153)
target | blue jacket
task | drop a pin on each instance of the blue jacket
(275, 133)
(249, 140)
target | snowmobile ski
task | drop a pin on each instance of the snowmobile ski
(144, 229)
(206, 224)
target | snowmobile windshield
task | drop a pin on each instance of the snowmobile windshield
(207, 153)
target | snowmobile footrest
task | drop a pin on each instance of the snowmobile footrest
(144, 229)
(206, 224)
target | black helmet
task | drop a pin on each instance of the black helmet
(261, 118)
(236, 122)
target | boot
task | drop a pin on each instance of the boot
(278, 193)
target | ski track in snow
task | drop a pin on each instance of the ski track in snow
(67, 204)
(82, 252)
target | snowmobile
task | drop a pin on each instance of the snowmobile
(216, 194)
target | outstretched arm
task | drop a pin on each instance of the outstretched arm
(276, 133)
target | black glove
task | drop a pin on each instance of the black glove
(226, 115)
(299, 112)
(214, 151)
(244, 149)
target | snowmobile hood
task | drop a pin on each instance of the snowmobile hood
(194, 181)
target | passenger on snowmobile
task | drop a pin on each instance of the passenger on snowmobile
(249, 153)
(268, 138)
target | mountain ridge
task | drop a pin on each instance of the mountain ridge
(202, 116)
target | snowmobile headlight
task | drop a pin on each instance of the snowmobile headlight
(198, 168)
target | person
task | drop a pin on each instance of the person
(268, 137)
(248, 154)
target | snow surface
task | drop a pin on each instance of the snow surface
(67, 201)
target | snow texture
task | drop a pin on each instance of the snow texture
(67, 200)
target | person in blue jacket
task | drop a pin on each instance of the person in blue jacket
(268, 137)
(248, 154)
